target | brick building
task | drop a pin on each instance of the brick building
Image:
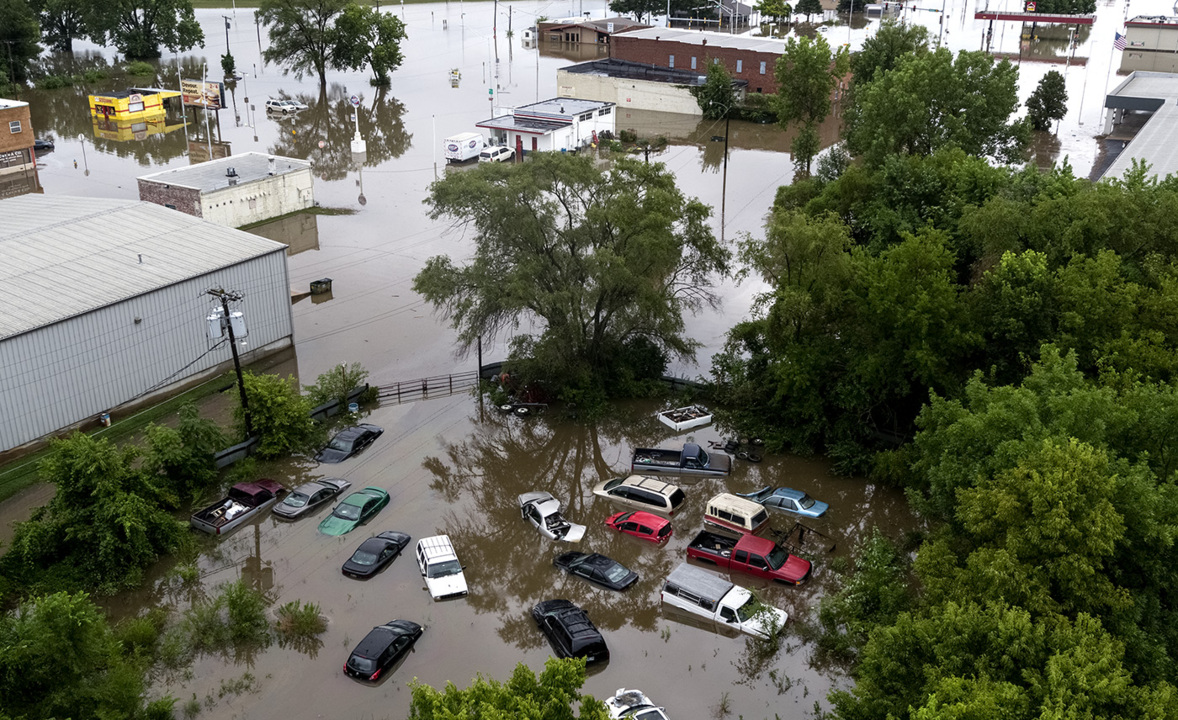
(746, 58)
(16, 137)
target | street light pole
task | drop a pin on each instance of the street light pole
(227, 50)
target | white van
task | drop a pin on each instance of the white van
(440, 567)
(723, 603)
(736, 514)
(496, 153)
(461, 148)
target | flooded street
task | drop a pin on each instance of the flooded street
(450, 466)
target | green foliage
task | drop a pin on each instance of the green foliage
(599, 260)
(716, 97)
(933, 100)
(883, 51)
(639, 8)
(525, 696)
(245, 610)
(53, 82)
(138, 637)
(59, 658)
(1071, 7)
(228, 65)
(281, 417)
(1048, 102)
(140, 69)
(807, 73)
(808, 8)
(102, 528)
(183, 458)
(873, 595)
(297, 620)
(302, 34)
(138, 28)
(19, 34)
(234, 619)
(364, 35)
(61, 21)
(336, 384)
(94, 75)
(776, 9)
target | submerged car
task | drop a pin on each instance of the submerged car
(356, 509)
(643, 492)
(788, 500)
(641, 524)
(633, 704)
(439, 565)
(348, 442)
(310, 496)
(374, 553)
(285, 107)
(570, 631)
(597, 568)
(543, 512)
(381, 648)
(40, 144)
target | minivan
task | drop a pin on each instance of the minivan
(643, 492)
(736, 515)
(440, 567)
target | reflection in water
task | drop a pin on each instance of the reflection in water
(300, 232)
(20, 182)
(328, 120)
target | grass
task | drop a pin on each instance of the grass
(21, 473)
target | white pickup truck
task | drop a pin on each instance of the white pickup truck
(727, 605)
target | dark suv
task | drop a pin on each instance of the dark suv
(570, 632)
(382, 647)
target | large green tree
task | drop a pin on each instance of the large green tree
(807, 74)
(882, 51)
(61, 22)
(716, 97)
(1049, 101)
(139, 28)
(367, 36)
(775, 9)
(934, 100)
(303, 35)
(19, 33)
(640, 9)
(602, 262)
(525, 696)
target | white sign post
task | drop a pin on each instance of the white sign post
(359, 147)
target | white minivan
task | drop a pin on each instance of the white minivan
(440, 567)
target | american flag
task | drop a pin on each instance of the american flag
(1119, 41)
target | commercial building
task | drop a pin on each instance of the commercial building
(1156, 143)
(106, 305)
(746, 58)
(555, 125)
(583, 30)
(135, 104)
(234, 191)
(634, 86)
(16, 137)
(1151, 43)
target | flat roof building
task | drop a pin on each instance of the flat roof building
(556, 125)
(1151, 43)
(751, 59)
(1156, 142)
(16, 137)
(106, 304)
(234, 191)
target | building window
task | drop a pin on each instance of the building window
(672, 61)
(586, 116)
(692, 62)
(604, 111)
(739, 65)
(14, 126)
(762, 68)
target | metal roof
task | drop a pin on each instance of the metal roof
(563, 106)
(700, 38)
(6, 104)
(210, 176)
(1157, 141)
(65, 256)
(699, 581)
(514, 124)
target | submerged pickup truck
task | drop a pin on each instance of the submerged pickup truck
(750, 554)
(720, 602)
(244, 501)
(691, 460)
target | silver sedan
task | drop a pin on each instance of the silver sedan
(305, 498)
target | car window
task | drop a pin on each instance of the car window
(646, 497)
(757, 561)
(561, 635)
(347, 511)
(621, 492)
(338, 443)
(612, 484)
(631, 526)
(677, 498)
(665, 530)
(442, 569)
(741, 556)
(362, 664)
(759, 518)
(295, 499)
(615, 573)
(806, 502)
(645, 530)
(363, 557)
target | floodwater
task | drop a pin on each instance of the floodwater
(449, 466)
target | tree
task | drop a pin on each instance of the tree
(638, 8)
(807, 73)
(808, 8)
(716, 97)
(303, 35)
(281, 417)
(775, 9)
(882, 51)
(61, 22)
(525, 696)
(336, 384)
(183, 457)
(1048, 102)
(19, 34)
(933, 100)
(365, 35)
(604, 263)
(139, 27)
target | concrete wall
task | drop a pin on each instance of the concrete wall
(755, 67)
(628, 94)
(259, 200)
(184, 199)
(16, 148)
(61, 374)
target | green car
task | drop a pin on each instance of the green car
(355, 509)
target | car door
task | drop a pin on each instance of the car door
(369, 509)
(645, 532)
(629, 526)
(319, 498)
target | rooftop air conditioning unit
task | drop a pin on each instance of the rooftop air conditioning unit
(230, 172)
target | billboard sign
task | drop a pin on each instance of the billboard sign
(203, 94)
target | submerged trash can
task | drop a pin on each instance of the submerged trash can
(353, 407)
(318, 287)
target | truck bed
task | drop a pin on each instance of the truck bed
(710, 543)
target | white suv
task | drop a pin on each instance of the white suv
(284, 106)
(440, 567)
(496, 153)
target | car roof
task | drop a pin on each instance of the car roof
(651, 483)
(375, 544)
(358, 497)
(789, 493)
(313, 487)
(641, 516)
(377, 639)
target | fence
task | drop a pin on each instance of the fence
(436, 386)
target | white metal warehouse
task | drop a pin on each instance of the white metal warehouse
(105, 302)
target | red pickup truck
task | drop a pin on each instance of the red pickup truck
(750, 554)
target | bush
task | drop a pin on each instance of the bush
(236, 618)
(91, 76)
(141, 69)
(183, 458)
(53, 82)
(281, 416)
(246, 611)
(139, 636)
(337, 383)
(299, 621)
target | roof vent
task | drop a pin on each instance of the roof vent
(230, 172)
(271, 165)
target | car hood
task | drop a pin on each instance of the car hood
(795, 569)
(574, 534)
(757, 626)
(335, 525)
(331, 455)
(446, 586)
(289, 511)
(818, 509)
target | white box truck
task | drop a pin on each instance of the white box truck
(461, 148)
(714, 598)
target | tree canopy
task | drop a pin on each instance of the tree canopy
(303, 35)
(602, 263)
(807, 74)
(365, 35)
(1048, 102)
(883, 51)
(61, 21)
(138, 28)
(525, 696)
(19, 33)
(716, 97)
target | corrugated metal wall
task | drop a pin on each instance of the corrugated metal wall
(66, 372)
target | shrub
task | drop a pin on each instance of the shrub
(140, 635)
(52, 82)
(281, 417)
(141, 69)
(228, 65)
(246, 613)
(297, 620)
(94, 76)
(336, 384)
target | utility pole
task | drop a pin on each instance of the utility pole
(227, 50)
(225, 297)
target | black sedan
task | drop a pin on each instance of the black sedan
(348, 442)
(40, 144)
(374, 553)
(597, 568)
(381, 648)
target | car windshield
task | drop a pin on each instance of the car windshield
(750, 608)
(363, 557)
(442, 569)
(616, 573)
(777, 558)
(362, 664)
(613, 483)
(338, 443)
(485, 155)
(348, 512)
(296, 499)
(806, 501)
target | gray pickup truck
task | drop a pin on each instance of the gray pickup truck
(691, 460)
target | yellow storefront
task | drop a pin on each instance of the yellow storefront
(129, 105)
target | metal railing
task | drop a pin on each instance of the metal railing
(436, 386)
